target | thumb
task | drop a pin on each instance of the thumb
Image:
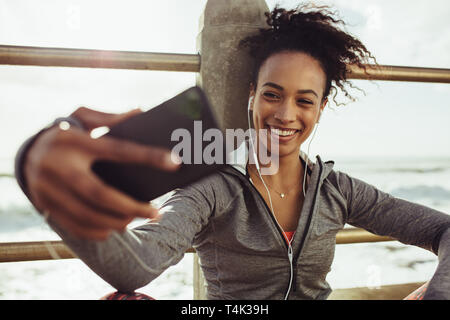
(92, 119)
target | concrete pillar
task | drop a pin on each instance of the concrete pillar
(225, 71)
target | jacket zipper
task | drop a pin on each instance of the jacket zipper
(308, 223)
(294, 280)
(280, 231)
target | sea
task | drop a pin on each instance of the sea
(372, 265)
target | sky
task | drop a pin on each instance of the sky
(392, 119)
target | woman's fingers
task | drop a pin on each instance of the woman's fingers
(113, 149)
(92, 119)
(63, 219)
(81, 212)
(91, 189)
(125, 151)
(61, 181)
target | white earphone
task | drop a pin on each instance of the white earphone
(290, 251)
(320, 114)
(250, 101)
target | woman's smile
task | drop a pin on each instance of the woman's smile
(283, 134)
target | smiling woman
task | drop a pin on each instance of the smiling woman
(293, 75)
(288, 99)
(252, 244)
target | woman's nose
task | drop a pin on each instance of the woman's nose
(286, 112)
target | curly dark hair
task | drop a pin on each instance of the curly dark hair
(313, 30)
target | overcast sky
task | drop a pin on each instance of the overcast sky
(392, 119)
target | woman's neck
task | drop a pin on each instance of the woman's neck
(289, 174)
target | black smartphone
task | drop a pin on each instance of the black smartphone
(180, 124)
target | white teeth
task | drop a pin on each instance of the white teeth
(283, 133)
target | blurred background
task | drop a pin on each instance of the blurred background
(395, 136)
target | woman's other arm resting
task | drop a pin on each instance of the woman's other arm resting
(408, 222)
(439, 286)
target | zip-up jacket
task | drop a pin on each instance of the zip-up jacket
(242, 251)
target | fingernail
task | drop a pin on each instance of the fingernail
(134, 111)
(154, 212)
(173, 159)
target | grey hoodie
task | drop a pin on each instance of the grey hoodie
(242, 251)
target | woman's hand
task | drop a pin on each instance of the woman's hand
(62, 185)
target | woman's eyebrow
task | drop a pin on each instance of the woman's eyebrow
(276, 86)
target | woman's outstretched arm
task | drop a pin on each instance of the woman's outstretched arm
(53, 168)
(54, 171)
(131, 259)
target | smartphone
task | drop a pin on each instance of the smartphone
(180, 124)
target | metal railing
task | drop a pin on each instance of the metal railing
(82, 58)
(46, 250)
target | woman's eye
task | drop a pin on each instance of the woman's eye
(303, 101)
(270, 95)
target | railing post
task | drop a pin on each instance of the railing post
(225, 71)
(199, 280)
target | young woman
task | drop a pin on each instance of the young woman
(258, 236)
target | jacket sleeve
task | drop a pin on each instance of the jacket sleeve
(408, 222)
(21, 154)
(132, 259)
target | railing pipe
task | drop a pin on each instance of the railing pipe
(34, 250)
(83, 58)
(46, 250)
(358, 235)
(398, 73)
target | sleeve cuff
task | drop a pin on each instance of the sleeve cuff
(22, 152)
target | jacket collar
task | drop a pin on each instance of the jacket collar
(238, 159)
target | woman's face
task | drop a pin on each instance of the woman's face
(288, 99)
